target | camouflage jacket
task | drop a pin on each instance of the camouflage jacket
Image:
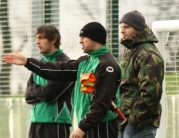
(141, 85)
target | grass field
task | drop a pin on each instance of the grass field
(172, 83)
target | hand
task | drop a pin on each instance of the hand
(77, 133)
(16, 58)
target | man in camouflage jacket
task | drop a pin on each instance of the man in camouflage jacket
(143, 73)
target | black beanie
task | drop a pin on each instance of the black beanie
(95, 31)
(134, 19)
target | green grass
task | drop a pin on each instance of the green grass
(3, 119)
(172, 83)
(12, 96)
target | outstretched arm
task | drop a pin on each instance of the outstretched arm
(58, 71)
(16, 58)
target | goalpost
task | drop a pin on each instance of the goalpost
(159, 27)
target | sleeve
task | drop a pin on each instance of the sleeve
(151, 73)
(105, 90)
(51, 91)
(28, 97)
(58, 71)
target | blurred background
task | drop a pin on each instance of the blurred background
(20, 18)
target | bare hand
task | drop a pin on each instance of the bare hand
(16, 58)
(77, 133)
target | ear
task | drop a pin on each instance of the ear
(53, 41)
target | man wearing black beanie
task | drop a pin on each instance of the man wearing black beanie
(95, 31)
(97, 78)
(141, 86)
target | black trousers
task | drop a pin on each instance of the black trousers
(104, 130)
(49, 130)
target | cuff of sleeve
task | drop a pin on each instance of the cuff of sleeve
(27, 63)
(83, 127)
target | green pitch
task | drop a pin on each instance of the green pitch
(172, 83)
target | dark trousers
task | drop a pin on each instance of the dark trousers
(104, 130)
(49, 130)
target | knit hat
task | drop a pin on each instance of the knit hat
(95, 31)
(135, 19)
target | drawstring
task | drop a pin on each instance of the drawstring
(58, 131)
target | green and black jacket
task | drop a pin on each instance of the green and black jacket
(51, 100)
(91, 108)
(141, 86)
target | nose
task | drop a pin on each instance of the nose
(81, 40)
(37, 41)
(122, 30)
